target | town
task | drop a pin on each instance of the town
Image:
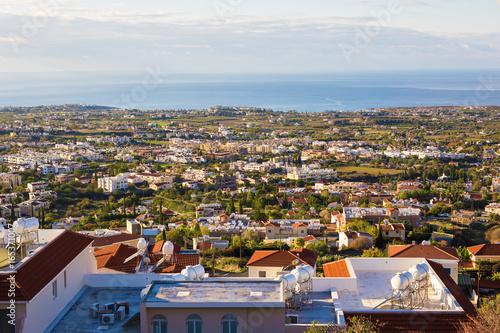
(246, 219)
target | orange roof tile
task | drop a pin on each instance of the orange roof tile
(277, 258)
(423, 251)
(39, 270)
(336, 269)
(485, 250)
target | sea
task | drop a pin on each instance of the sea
(314, 92)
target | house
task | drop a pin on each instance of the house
(446, 256)
(347, 237)
(487, 252)
(393, 230)
(271, 263)
(46, 281)
(160, 186)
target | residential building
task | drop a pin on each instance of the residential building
(111, 184)
(487, 252)
(493, 207)
(10, 179)
(32, 187)
(346, 238)
(62, 264)
(446, 256)
(314, 175)
(271, 263)
(393, 230)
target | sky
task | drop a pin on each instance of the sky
(248, 36)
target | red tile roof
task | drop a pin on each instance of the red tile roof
(485, 250)
(113, 239)
(309, 256)
(277, 258)
(423, 251)
(296, 225)
(113, 257)
(336, 269)
(39, 270)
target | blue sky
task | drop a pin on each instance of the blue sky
(248, 36)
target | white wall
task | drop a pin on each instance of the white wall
(43, 308)
(271, 272)
(121, 280)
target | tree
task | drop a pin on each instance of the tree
(299, 243)
(379, 242)
(284, 204)
(487, 320)
(464, 256)
(250, 235)
(230, 207)
(361, 243)
(373, 253)
(355, 325)
(240, 207)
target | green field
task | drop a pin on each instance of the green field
(368, 170)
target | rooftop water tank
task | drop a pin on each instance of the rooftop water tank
(399, 281)
(25, 225)
(189, 273)
(142, 244)
(168, 248)
(418, 272)
(200, 271)
(289, 281)
(302, 273)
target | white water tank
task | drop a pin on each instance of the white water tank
(189, 273)
(399, 281)
(25, 225)
(168, 248)
(409, 276)
(425, 266)
(418, 272)
(175, 277)
(302, 273)
(289, 281)
(426, 243)
(142, 244)
(200, 271)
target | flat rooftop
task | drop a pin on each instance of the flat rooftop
(79, 320)
(321, 310)
(244, 293)
(374, 287)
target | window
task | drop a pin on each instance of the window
(54, 289)
(159, 324)
(269, 231)
(194, 324)
(387, 233)
(65, 281)
(229, 324)
(262, 273)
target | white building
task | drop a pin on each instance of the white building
(110, 184)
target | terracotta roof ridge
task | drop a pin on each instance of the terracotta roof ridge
(449, 254)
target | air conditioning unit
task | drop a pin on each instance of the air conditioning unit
(94, 312)
(110, 306)
(120, 314)
(292, 319)
(95, 305)
(108, 319)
